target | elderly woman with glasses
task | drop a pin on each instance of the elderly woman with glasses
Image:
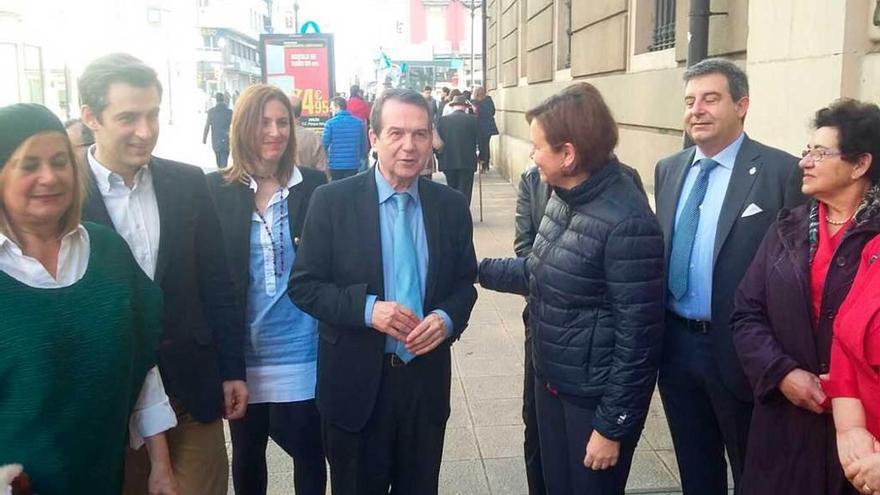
(788, 301)
(79, 326)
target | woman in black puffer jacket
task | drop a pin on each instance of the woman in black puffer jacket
(596, 296)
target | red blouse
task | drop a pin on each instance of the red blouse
(822, 260)
(855, 348)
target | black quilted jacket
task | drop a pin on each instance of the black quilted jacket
(595, 285)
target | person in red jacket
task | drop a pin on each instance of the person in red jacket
(853, 383)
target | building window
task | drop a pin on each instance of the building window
(563, 35)
(664, 25)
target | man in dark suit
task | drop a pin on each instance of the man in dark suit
(458, 160)
(218, 122)
(387, 266)
(164, 212)
(714, 201)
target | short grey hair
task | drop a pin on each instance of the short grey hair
(737, 81)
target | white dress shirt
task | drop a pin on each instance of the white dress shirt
(134, 212)
(152, 412)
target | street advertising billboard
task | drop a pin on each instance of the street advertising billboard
(301, 65)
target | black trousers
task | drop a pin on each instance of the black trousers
(222, 158)
(531, 442)
(462, 180)
(296, 428)
(704, 417)
(565, 429)
(342, 173)
(400, 447)
(483, 148)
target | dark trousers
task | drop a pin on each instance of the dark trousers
(462, 180)
(222, 158)
(341, 173)
(400, 447)
(564, 430)
(531, 442)
(704, 417)
(483, 149)
(296, 428)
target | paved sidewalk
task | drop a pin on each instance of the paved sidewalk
(483, 451)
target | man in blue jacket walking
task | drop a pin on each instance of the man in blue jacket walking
(344, 140)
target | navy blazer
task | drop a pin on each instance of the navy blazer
(764, 176)
(339, 262)
(202, 337)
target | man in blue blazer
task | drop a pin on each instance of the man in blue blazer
(715, 201)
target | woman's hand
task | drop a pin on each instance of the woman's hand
(853, 444)
(602, 453)
(864, 474)
(803, 389)
(162, 481)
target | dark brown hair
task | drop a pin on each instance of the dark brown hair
(244, 134)
(578, 115)
(858, 130)
(103, 72)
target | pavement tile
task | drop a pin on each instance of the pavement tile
(459, 414)
(507, 476)
(460, 444)
(463, 478)
(499, 441)
(469, 366)
(493, 387)
(496, 412)
(649, 473)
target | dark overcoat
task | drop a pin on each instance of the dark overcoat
(790, 449)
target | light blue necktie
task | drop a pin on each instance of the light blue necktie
(686, 231)
(407, 283)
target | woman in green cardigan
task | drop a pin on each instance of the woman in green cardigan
(78, 326)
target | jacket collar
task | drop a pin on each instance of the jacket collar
(593, 186)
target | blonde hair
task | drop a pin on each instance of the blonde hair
(70, 220)
(244, 134)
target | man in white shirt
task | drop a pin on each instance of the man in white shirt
(163, 211)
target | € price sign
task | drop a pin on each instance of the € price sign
(302, 66)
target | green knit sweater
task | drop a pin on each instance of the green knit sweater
(72, 363)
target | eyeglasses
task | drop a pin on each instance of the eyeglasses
(816, 155)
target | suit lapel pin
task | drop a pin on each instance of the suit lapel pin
(752, 171)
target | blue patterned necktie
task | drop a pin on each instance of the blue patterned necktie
(686, 231)
(407, 283)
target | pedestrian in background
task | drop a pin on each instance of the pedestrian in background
(428, 93)
(594, 281)
(219, 118)
(310, 152)
(81, 139)
(458, 159)
(444, 100)
(715, 201)
(343, 138)
(484, 108)
(264, 197)
(79, 326)
(165, 214)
